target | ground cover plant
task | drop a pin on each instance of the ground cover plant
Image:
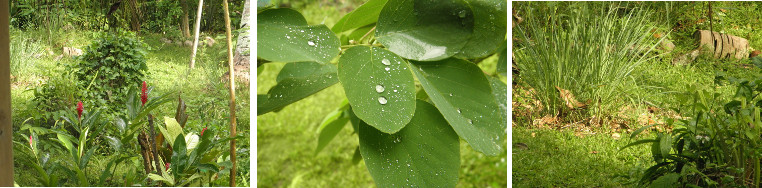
(125, 111)
(412, 85)
(668, 124)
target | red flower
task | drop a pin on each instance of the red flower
(79, 110)
(30, 140)
(144, 94)
(166, 166)
(202, 131)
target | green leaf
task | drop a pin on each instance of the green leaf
(191, 141)
(284, 36)
(434, 30)
(665, 145)
(379, 87)
(172, 128)
(502, 62)
(461, 92)
(356, 157)
(295, 82)
(666, 181)
(329, 130)
(179, 155)
(500, 91)
(423, 154)
(364, 15)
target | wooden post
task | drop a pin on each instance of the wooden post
(195, 41)
(232, 91)
(6, 130)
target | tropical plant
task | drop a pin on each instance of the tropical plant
(409, 136)
(195, 160)
(717, 146)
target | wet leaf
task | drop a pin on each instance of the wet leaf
(426, 153)
(379, 87)
(284, 36)
(462, 93)
(295, 82)
(427, 30)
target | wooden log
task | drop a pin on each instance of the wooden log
(722, 45)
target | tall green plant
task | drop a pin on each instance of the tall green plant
(586, 48)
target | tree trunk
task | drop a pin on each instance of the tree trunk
(232, 92)
(185, 26)
(195, 40)
(6, 130)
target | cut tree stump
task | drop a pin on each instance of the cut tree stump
(723, 45)
(720, 45)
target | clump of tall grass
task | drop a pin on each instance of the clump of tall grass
(23, 52)
(588, 48)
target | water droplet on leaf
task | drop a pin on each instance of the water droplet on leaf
(379, 89)
(387, 68)
(382, 100)
(462, 14)
(386, 62)
(311, 43)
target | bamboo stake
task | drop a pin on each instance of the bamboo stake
(195, 40)
(232, 92)
(6, 130)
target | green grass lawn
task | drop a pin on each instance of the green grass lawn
(203, 89)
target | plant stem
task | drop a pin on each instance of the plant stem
(368, 33)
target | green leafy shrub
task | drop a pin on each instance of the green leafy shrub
(110, 65)
(52, 98)
(591, 52)
(719, 145)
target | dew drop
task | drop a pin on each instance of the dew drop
(386, 62)
(387, 68)
(459, 110)
(311, 43)
(462, 14)
(288, 37)
(450, 94)
(395, 91)
(382, 100)
(379, 89)
(470, 121)
(302, 31)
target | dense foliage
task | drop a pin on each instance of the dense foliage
(112, 64)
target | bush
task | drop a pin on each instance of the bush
(51, 99)
(110, 65)
(718, 146)
(587, 48)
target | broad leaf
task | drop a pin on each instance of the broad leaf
(364, 15)
(500, 91)
(502, 62)
(427, 30)
(379, 87)
(426, 153)
(284, 36)
(330, 127)
(462, 93)
(295, 82)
